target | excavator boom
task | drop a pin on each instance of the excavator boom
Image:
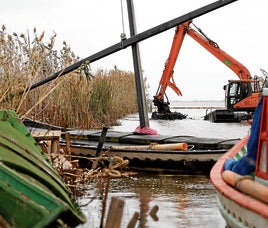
(238, 68)
(167, 75)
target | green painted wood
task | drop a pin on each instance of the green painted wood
(28, 182)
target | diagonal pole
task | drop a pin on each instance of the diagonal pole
(135, 39)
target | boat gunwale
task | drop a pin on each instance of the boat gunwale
(231, 193)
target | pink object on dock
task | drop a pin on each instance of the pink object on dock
(145, 131)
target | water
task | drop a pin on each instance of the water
(194, 125)
(183, 201)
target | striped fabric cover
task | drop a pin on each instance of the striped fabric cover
(241, 153)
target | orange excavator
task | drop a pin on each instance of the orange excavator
(241, 95)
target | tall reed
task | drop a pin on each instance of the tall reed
(79, 99)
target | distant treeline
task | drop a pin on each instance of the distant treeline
(81, 99)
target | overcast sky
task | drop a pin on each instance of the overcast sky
(88, 26)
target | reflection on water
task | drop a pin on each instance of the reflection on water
(183, 201)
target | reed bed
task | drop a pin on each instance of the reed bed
(81, 99)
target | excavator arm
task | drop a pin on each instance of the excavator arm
(238, 68)
(240, 95)
(167, 75)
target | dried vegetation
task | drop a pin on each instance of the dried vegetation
(81, 99)
(99, 168)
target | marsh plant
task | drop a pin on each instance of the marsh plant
(80, 99)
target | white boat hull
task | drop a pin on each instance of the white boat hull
(237, 216)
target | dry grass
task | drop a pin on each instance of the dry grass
(77, 100)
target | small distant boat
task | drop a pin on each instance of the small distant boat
(32, 193)
(243, 199)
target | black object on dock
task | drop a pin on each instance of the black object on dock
(101, 140)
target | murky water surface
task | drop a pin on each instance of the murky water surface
(183, 201)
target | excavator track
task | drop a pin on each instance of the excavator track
(168, 116)
(227, 116)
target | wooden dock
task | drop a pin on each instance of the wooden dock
(198, 158)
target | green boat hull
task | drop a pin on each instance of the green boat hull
(32, 193)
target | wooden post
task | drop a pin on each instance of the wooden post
(68, 145)
(101, 140)
(115, 213)
(133, 220)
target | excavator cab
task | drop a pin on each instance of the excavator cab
(242, 95)
(241, 99)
